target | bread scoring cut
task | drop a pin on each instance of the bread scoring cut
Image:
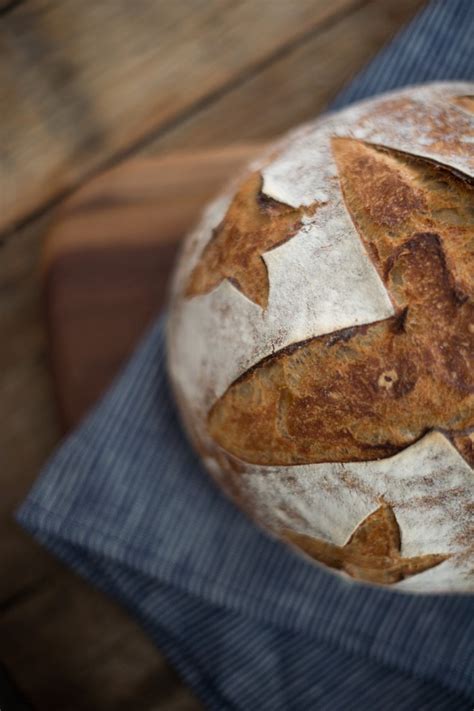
(253, 225)
(366, 392)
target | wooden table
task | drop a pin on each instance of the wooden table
(83, 86)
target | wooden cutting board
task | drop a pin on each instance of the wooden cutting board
(108, 259)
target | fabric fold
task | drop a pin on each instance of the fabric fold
(128, 504)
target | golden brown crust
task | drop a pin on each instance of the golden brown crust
(253, 225)
(392, 195)
(464, 443)
(367, 392)
(372, 552)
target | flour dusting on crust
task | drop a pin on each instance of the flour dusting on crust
(320, 281)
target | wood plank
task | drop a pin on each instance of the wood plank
(69, 647)
(8, 5)
(294, 88)
(65, 645)
(108, 260)
(80, 82)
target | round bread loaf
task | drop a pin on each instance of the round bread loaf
(321, 339)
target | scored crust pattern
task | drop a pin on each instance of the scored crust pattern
(254, 224)
(372, 553)
(321, 339)
(366, 392)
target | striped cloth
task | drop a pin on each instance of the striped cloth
(247, 622)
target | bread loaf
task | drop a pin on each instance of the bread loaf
(321, 339)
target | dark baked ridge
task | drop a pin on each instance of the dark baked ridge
(368, 392)
(253, 225)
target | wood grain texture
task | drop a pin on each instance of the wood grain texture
(295, 87)
(82, 84)
(69, 647)
(65, 645)
(8, 5)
